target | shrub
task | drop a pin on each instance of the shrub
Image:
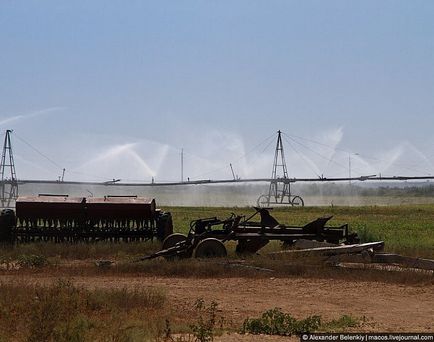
(32, 261)
(366, 235)
(276, 322)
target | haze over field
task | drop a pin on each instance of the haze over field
(245, 195)
(115, 90)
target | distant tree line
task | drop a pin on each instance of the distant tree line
(333, 189)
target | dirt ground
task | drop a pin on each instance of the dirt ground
(384, 307)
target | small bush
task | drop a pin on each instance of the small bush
(276, 322)
(366, 235)
(32, 261)
(309, 324)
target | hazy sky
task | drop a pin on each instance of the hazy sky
(114, 89)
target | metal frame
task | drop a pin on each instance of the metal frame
(251, 236)
(8, 187)
(279, 192)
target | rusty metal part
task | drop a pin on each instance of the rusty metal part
(114, 207)
(49, 207)
(62, 218)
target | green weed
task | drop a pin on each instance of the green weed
(203, 329)
(366, 235)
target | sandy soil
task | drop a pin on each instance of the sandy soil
(386, 307)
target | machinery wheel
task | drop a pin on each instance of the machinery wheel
(164, 226)
(297, 201)
(210, 248)
(172, 240)
(7, 223)
(263, 201)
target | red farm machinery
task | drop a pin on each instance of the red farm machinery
(60, 218)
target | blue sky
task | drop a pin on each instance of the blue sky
(114, 89)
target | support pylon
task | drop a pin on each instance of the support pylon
(280, 186)
(279, 190)
(8, 176)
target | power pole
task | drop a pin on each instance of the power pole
(349, 165)
(182, 165)
(233, 173)
(8, 186)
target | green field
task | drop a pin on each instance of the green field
(407, 229)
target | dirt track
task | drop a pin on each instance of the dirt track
(386, 307)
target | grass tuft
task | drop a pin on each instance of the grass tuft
(341, 323)
(32, 261)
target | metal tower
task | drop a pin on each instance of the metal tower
(280, 186)
(8, 176)
(278, 192)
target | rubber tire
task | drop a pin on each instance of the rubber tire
(8, 222)
(164, 225)
(299, 200)
(210, 248)
(172, 240)
(263, 201)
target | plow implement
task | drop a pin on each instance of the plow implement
(207, 237)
